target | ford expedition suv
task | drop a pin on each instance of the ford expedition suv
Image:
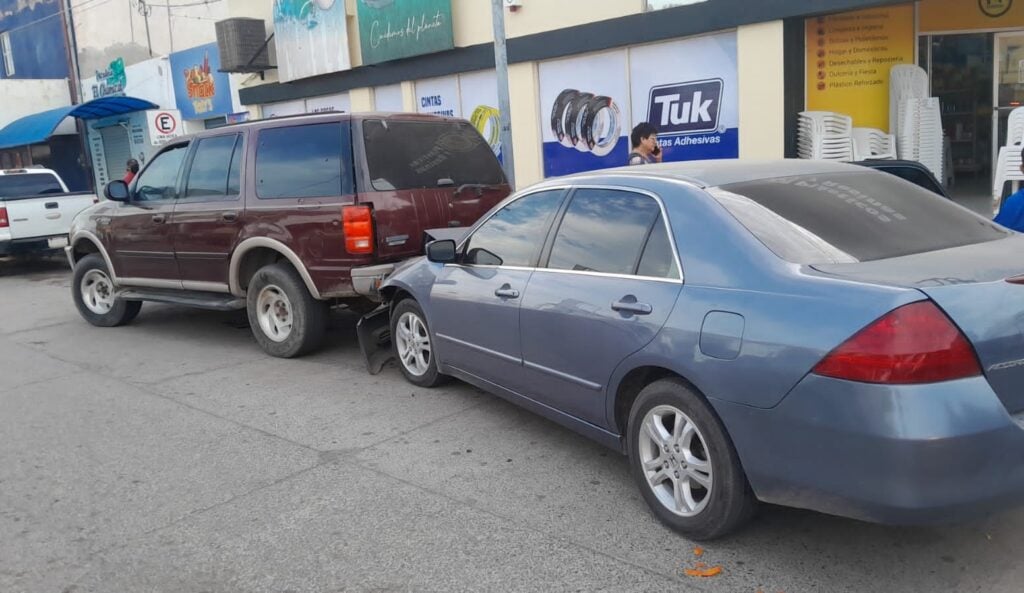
(282, 217)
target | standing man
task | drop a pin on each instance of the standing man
(131, 171)
(1011, 213)
(646, 149)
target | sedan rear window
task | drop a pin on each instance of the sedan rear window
(851, 217)
(28, 185)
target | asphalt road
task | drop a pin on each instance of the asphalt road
(173, 456)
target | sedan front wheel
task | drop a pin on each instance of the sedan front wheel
(413, 345)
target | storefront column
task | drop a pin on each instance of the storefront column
(409, 96)
(526, 136)
(760, 50)
(360, 100)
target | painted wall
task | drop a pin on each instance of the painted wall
(37, 38)
(149, 80)
(762, 90)
(25, 97)
(99, 42)
(472, 18)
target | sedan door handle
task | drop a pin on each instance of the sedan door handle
(159, 218)
(229, 216)
(507, 292)
(631, 306)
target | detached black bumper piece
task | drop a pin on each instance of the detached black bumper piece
(374, 331)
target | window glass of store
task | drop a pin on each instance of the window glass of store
(305, 161)
(159, 181)
(606, 231)
(514, 235)
(213, 174)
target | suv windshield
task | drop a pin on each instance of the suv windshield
(28, 185)
(851, 217)
(416, 154)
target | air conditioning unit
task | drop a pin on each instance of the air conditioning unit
(243, 45)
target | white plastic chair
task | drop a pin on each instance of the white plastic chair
(872, 143)
(906, 81)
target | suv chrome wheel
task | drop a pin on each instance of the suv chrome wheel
(675, 461)
(274, 312)
(413, 342)
(97, 292)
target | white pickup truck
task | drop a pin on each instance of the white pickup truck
(36, 210)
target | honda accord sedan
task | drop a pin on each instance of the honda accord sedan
(801, 333)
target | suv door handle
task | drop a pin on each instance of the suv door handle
(159, 218)
(229, 216)
(507, 292)
(628, 304)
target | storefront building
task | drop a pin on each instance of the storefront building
(719, 78)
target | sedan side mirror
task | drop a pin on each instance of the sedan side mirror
(117, 191)
(441, 252)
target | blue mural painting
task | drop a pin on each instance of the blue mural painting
(200, 91)
(37, 38)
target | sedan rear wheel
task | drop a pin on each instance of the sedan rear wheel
(685, 464)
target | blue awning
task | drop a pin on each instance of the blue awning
(38, 127)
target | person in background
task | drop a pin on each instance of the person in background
(131, 171)
(1011, 213)
(646, 149)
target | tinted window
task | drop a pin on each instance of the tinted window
(303, 161)
(409, 155)
(916, 176)
(159, 181)
(513, 236)
(211, 171)
(851, 217)
(603, 231)
(235, 172)
(658, 260)
(28, 185)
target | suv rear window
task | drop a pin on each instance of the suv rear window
(28, 185)
(416, 154)
(850, 217)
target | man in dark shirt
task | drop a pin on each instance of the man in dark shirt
(1011, 214)
(646, 149)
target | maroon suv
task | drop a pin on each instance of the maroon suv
(282, 217)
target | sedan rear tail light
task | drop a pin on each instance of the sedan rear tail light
(916, 343)
(4, 222)
(357, 223)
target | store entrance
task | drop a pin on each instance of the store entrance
(961, 70)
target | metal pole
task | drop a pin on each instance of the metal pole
(145, 15)
(170, 29)
(71, 43)
(504, 109)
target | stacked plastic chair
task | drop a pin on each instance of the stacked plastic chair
(920, 135)
(825, 135)
(872, 143)
(1009, 161)
(906, 82)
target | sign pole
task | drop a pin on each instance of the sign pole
(505, 112)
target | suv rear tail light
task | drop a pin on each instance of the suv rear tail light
(357, 223)
(4, 222)
(916, 343)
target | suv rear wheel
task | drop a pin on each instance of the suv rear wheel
(93, 292)
(286, 320)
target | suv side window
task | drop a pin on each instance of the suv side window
(605, 231)
(304, 161)
(213, 175)
(514, 235)
(160, 179)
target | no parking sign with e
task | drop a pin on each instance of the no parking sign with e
(164, 126)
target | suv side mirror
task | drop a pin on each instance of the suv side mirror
(441, 252)
(116, 191)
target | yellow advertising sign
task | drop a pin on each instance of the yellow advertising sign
(943, 16)
(849, 56)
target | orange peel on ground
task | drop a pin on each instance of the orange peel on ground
(698, 551)
(703, 572)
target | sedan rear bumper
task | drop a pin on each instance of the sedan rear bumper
(888, 454)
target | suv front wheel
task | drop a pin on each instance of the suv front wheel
(286, 320)
(93, 292)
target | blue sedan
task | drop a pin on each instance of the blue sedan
(809, 334)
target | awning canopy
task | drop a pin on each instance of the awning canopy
(38, 127)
